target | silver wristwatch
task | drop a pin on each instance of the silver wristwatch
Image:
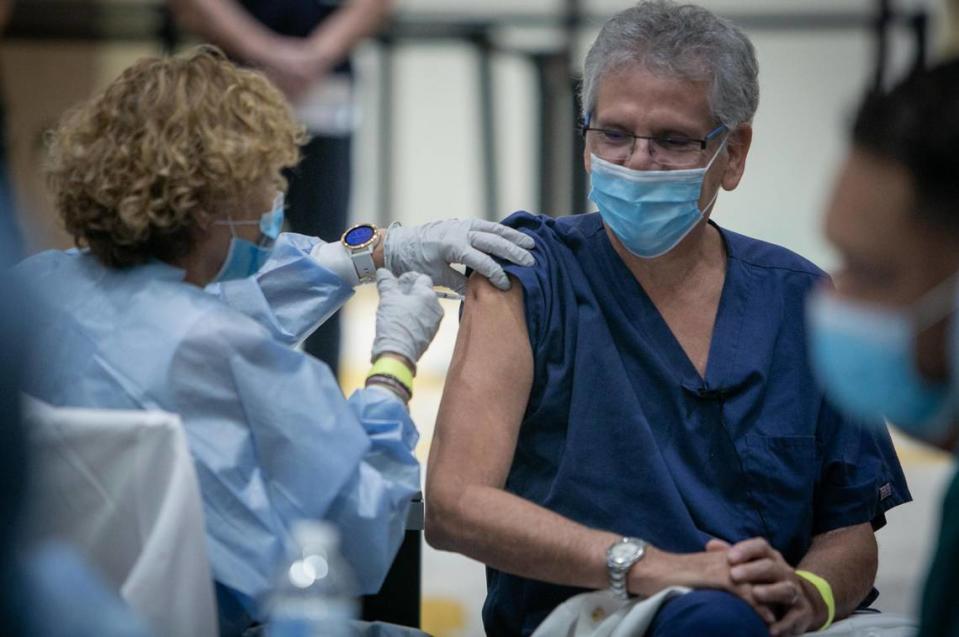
(620, 557)
(359, 242)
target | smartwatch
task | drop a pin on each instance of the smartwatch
(620, 557)
(359, 242)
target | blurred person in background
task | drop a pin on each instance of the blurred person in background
(8, 218)
(304, 46)
(171, 181)
(885, 343)
(638, 412)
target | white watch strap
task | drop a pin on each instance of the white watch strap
(363, 262)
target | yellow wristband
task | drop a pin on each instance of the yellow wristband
(392, 367)
(825, 591)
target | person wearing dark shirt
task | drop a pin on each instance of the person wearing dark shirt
(639, 411)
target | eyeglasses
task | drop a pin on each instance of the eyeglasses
(673, 151)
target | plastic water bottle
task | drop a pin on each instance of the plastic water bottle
(315, 591)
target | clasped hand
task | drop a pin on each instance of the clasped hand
(764, 579)
(752, 570)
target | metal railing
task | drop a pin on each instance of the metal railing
(561, 182)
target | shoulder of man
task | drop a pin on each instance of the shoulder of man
(547, 284)
(554, 230)
(763, 254)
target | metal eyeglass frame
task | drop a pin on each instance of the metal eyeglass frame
(585, 127)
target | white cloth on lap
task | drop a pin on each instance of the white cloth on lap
(601, 614)
(868, 624)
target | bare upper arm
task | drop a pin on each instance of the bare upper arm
(858, 538)
(487, 389)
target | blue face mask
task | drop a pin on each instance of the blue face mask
(864, 358)
(244, 257)
(650, 211)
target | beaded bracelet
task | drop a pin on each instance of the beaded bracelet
(390, 382)
(398, 370)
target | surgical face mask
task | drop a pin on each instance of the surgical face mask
(864, 357)
(244, 257)
(650, 211)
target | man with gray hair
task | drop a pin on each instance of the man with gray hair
(639, 411)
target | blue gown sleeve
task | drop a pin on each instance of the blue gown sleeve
(861, 477)
(373, 505)
(291, 295)
(275, 441)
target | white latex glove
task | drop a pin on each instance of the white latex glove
(432, 247)
(408, 315)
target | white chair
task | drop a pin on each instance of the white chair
(120, 487)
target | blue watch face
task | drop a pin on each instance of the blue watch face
(359, 235)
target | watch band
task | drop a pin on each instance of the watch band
(363, 262)
(362, 254)
(621, 556)
(617, 582)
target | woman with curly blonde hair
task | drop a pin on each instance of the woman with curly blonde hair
(135, 188)
(169, 180)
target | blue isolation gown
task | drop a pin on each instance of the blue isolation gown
(273, 438)
(63, 596)
(621, 432)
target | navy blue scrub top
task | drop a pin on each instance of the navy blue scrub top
(621, 433)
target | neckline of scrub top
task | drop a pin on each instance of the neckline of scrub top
(727, 327)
